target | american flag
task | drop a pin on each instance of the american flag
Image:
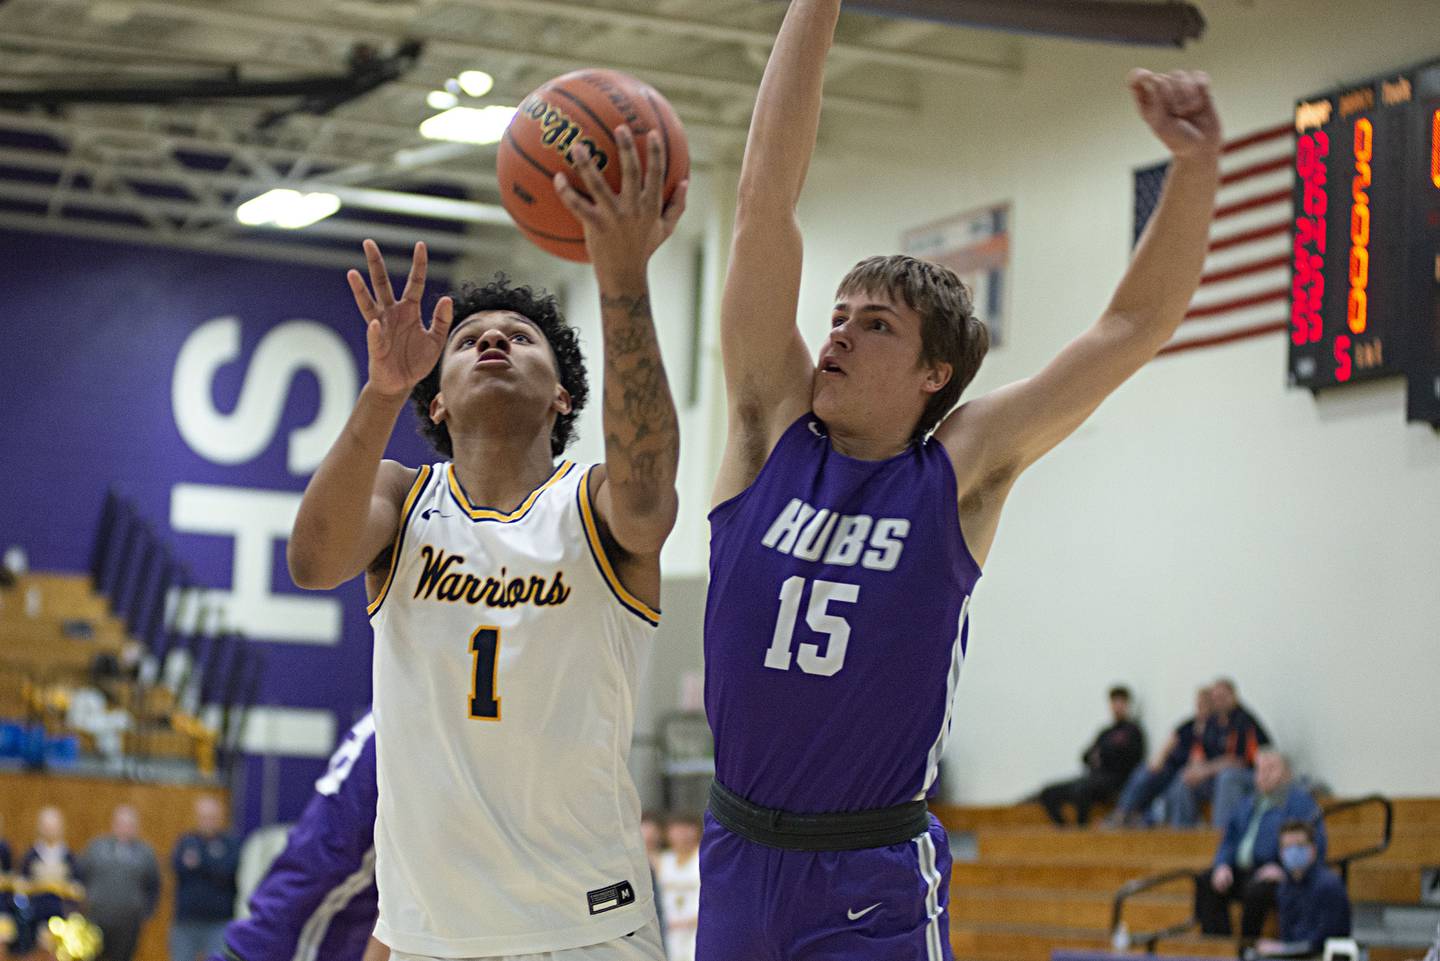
(1245, 290)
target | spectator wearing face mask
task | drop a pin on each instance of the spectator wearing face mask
(1247, 864)
(1313, 902)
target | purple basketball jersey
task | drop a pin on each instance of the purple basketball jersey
(318, 901)
(835, 626)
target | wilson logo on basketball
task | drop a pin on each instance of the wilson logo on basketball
(559, 131)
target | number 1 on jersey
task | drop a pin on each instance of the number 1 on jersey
(485, 646)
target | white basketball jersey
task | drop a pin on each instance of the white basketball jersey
(506, 656)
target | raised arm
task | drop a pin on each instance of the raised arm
(768, 368)
(351, 508)
(992, 439)
(636, 498)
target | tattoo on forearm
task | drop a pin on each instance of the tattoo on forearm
(641, 431)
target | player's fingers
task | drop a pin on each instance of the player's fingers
(1162, 86)
(676, 207)
(1187, 94)
(379, 280)
(590, 178)
(631, 179)
(1202, 91)
(1142, 85)
(415, 283)
(584, 210)
(441, 320)
(363, 300)
(652, 196)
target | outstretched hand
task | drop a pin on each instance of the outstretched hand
(1178, 108)
(622, 230)
(402, 349)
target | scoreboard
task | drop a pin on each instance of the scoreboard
(1365, 238)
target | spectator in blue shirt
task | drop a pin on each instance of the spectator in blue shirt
(1247, 864)
(1313, 903)
(205, 862)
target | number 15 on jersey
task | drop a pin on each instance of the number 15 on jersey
(811, 659)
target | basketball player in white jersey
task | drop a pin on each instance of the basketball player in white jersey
(511, 597)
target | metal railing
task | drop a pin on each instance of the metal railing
(1150, 939)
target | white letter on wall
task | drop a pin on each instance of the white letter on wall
(256, 520)
(287, 349)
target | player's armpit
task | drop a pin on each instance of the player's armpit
(321, 559)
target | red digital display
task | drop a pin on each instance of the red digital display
(1365, 237)
(1307, 284)
(1435, 149)
(1356, 311)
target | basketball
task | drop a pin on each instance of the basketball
(578, 108)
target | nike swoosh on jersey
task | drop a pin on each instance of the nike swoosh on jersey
(857, 915)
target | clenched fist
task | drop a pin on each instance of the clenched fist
(1178, 108)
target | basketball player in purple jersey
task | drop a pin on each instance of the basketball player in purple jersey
(318, 902)
(854, 510)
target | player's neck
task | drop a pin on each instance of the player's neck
(868, 445)
(500, 469)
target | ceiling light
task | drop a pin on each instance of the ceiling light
(287, 208)
(469, 124)
(441, 99)
(476, 83)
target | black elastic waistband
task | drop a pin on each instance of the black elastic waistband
(848, 831)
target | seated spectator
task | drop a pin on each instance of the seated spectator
(1247, 864)
(122, 884)
(1116, 751)
(1225, 777)
(7, 861)
(205, 862)
(1148, 782)
(1313, 903)
(679, 877)
(50, 866)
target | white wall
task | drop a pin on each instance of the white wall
(1207, 520)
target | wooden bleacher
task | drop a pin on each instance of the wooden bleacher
(38, 658)
(39, 663)
(1034, 888)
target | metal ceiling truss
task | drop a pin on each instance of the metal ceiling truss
(173, 173)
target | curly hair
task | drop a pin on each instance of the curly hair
(541, 308)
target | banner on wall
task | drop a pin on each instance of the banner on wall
(207, 389)
(976, 245)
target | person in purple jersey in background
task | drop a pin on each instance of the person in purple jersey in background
(318, 900)
(854, 510)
